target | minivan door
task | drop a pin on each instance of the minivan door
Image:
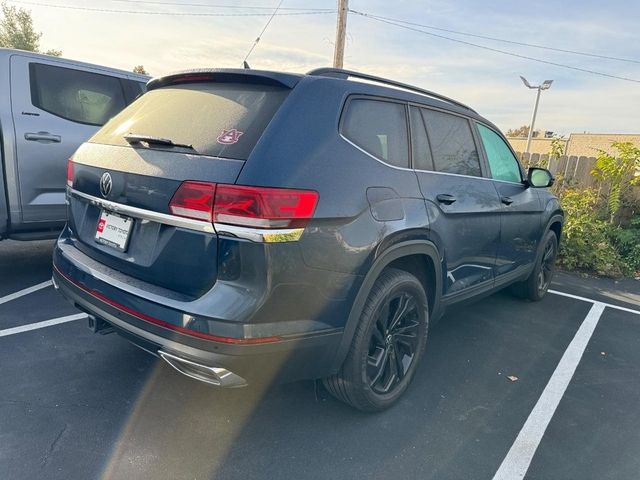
(55, 106)
(464, 208)
(521, 207)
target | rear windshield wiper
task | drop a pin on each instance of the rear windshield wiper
(151, 140)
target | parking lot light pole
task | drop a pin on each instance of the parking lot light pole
(545, 86)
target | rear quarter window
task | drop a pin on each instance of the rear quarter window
(222, 120)
(379, 128)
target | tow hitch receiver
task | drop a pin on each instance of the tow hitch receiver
(97, 325)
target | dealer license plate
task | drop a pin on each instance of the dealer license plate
(114, 230)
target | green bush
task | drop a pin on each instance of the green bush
(627, 242)
(586, 244)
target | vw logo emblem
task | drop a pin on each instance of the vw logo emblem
(106, 183)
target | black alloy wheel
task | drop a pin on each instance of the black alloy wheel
(547, 266)
(393, 343)
(387, 345)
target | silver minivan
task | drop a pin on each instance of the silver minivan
(48, 107)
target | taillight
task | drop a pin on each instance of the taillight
(263, 207)
(194, 200)
(258, 207)
(70, 172)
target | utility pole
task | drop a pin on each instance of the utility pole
(341, 33)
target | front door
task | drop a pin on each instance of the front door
(56, 106)
(520, 228)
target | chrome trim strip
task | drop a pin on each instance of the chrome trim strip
(218, 376)
(417, 170)
(143, 214)
(260, 235)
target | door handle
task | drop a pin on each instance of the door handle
(446, 198)
(506, 200)
(42, 137)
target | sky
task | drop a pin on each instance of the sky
(487, 81)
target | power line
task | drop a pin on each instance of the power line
(504, 52)
(206, 5)
(263, 30)
(504, 40)
(179, 14)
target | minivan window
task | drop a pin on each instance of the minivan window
(379, 128)
(420, 151)
(217, 119)
(452, 145)
(503, 164)
(75, 95)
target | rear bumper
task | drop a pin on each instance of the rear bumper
(272, 356)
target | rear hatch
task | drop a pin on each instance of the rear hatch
(193, 127)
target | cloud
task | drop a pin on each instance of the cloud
(487, 81)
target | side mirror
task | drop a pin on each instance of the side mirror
(540, 177)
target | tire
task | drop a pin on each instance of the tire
(373, 376)
(536, 285)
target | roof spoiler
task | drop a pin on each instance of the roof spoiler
(226, 75)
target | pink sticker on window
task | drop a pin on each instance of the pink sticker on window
(229, 137)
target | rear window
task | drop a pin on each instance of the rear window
(222, 120)
(75, 95)
(454, 150)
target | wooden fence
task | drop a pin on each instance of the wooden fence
(575, 171)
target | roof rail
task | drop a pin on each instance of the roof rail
(345, 74)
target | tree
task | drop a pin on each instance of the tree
(557, 146)
(140, 69)
(522, 131)
(17, 30)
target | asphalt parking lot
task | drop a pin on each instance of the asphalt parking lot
(74, 405)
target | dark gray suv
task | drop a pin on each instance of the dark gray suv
(252, 226)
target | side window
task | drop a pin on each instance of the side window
(75, 95)
(420, 150)
(452, 145)
(504, 166)
(379, 128)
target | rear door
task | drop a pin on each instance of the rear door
(520, 229)
(55, 108)
(464, 209)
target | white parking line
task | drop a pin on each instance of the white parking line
(517, 461)
(45, 323)
(25, 291)
(585, 299)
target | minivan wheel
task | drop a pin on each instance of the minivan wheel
(387, 346)
(536, 285)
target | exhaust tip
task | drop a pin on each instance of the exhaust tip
(218, 376)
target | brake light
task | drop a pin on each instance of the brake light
(259, 207)
(70, 172)
(194, 200)
(263, 207)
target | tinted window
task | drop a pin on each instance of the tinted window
(379, 128)
(75, 95)
(218, 119)
(452, 145)
(133, 89)
(421, 153)
(503, 164)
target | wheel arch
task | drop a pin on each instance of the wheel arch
(555, 224)
(418, 257)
